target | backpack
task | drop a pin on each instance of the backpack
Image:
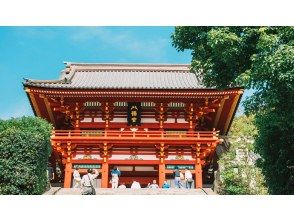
(182, 177)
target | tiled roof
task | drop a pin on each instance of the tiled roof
(122, 76)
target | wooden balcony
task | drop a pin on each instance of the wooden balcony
(134, 137)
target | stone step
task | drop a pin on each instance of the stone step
(100, 191)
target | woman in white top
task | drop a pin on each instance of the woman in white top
(188, 178)
(77, 178)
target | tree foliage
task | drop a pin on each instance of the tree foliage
(260, 58)
(24, 153)
(238, 173)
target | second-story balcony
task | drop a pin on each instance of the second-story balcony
(135, 137)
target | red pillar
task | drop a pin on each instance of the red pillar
(67, 175)
(104, 175)
(198, 174)
(161, 175)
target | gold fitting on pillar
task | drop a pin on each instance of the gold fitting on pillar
(198, 160)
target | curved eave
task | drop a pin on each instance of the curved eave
(235, 110)
(81, 89)
(227, 112)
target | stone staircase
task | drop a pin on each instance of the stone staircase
(101, 191)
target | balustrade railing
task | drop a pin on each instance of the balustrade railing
(134, 134)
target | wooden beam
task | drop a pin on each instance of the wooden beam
(67, 175)
(49, 110)
(219, 111)
(133, 162)
(231, 112)
(104, 175)
(161, 174)
(198, 174)
(33, 100)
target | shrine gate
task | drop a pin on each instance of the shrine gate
(144, 118)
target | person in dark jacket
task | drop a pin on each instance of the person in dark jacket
(177, 178)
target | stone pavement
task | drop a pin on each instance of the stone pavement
(52, 191)
(100, 191)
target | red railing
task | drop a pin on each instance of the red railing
(134, 134)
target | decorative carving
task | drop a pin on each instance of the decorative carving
(180, 157)
(72, 111)
(87, 156)
(161, 110)
(66, 150)
(107, 113)
(105, 151)
(191, 116)
(133, 157)
(161, 151)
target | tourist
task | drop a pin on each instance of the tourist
(115, 173)
(50, 175)
(87, 182)
(165, 185)
(177, 178)
(153, 185)
(122, 186)
(182, 178)
(188, 178)
(76, 178)
(135, 185)
(58, 174)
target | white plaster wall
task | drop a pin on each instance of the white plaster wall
(124, 120)
(126, 156)
(87, 120)
(148, 120)
(81, 156)
(173, 157)
(98, 120)
(181, 120)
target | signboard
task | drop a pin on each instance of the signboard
(134, 113)
(87, 166)
(181, 167)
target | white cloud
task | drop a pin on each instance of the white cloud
(36, 32)
(123, 40)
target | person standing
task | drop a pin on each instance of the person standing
(77, 178)
(188, 178)
(182, 177)
(177, 178)
(115, 173)
(87, 182)
(50, 176)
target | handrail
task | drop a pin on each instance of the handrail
(134, 134)
(118, 131)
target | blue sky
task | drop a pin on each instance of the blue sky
(39, 52)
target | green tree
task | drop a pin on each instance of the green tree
(24, 153)
(261, 58)
(238, 173)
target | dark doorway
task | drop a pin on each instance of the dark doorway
(143, 174)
